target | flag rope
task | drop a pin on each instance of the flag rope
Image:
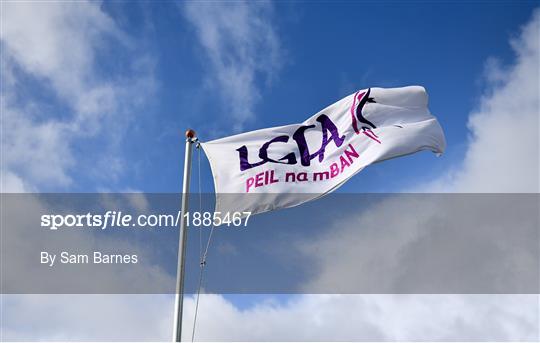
(198, 146)
(202, 256)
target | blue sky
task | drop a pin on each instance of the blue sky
(96, 97)
(329, 52)
(325, 52)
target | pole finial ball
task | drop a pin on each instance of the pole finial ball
(190, 133)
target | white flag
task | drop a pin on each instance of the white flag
(285, 166)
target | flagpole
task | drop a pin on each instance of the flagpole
(179, 299)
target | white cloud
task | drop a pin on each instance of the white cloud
(369, 318)
(33, 152)
(503, 154)
(88, 317)
(506, 120)
(301, 318)
(76, 317)
(56, 41)
(54, 46)
(242, 47)
(428, 244)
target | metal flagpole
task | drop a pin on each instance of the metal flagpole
(179, 301)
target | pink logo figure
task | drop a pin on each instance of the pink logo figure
(359, 101)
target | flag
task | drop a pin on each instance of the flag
(284, 166)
